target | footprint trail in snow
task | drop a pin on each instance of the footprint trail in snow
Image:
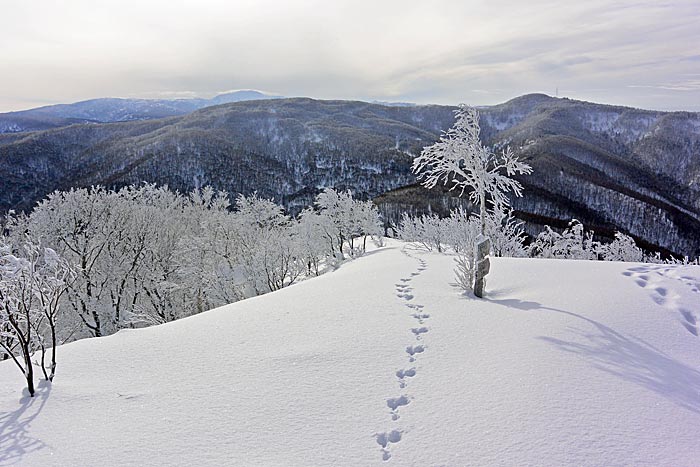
(654, 277)
(404, 292)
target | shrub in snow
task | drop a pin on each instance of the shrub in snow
(572, 243)
(459, 233)
(575, 243)
(427, 230)
(622, 248)
(506, 234)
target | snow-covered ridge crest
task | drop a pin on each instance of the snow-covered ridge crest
(385, 362)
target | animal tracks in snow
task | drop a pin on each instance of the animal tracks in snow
(654, 280)
(404, 292)
(403, 374)
(413, 350)
(385, 439)
(394, 403)
(421, 317)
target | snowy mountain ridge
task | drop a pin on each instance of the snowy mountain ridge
(106, 110)
(385, 362)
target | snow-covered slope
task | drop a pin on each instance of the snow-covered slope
(565, 363)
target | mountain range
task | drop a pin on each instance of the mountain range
(106, 110)
(613, 168)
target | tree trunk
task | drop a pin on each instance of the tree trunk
(28, 369)
(482, 212)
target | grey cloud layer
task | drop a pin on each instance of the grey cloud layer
(638, 53)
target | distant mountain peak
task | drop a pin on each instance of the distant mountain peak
(242, 95)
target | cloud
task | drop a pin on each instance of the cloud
(407, 50)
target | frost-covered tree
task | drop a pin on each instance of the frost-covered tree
(32, 282)
(369, 221)
(345, 219)
(311, 239)
(506, 234)
(145, 255)
(460, 161)
(428, 230)
(266, 244)
(80, 225)
(335, 207)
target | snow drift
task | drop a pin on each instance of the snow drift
(385, 362)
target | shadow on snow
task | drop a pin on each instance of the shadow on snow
(15, 441)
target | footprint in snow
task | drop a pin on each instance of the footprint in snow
(403, 374)
(385, 439)
(394, 403)
(420, 317)
(412, 350)
(418, 331)
(662, 295)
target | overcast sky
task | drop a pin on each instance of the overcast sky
(637, 53)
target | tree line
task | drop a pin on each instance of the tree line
(89, 262)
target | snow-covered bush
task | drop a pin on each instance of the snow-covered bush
(622, 248)
(575, 243)
(425, 230)
(507, 235)
(459, 233)
(572, 243)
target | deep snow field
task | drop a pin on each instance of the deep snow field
(386, 362)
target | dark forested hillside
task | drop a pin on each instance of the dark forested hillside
(611, 167)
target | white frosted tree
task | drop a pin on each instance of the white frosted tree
(346, 219)
(368, 219)
(460, 161)
(32, 283)
(81, 225)
(311, 241)
(266, 247)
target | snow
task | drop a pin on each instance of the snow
(565, 363)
